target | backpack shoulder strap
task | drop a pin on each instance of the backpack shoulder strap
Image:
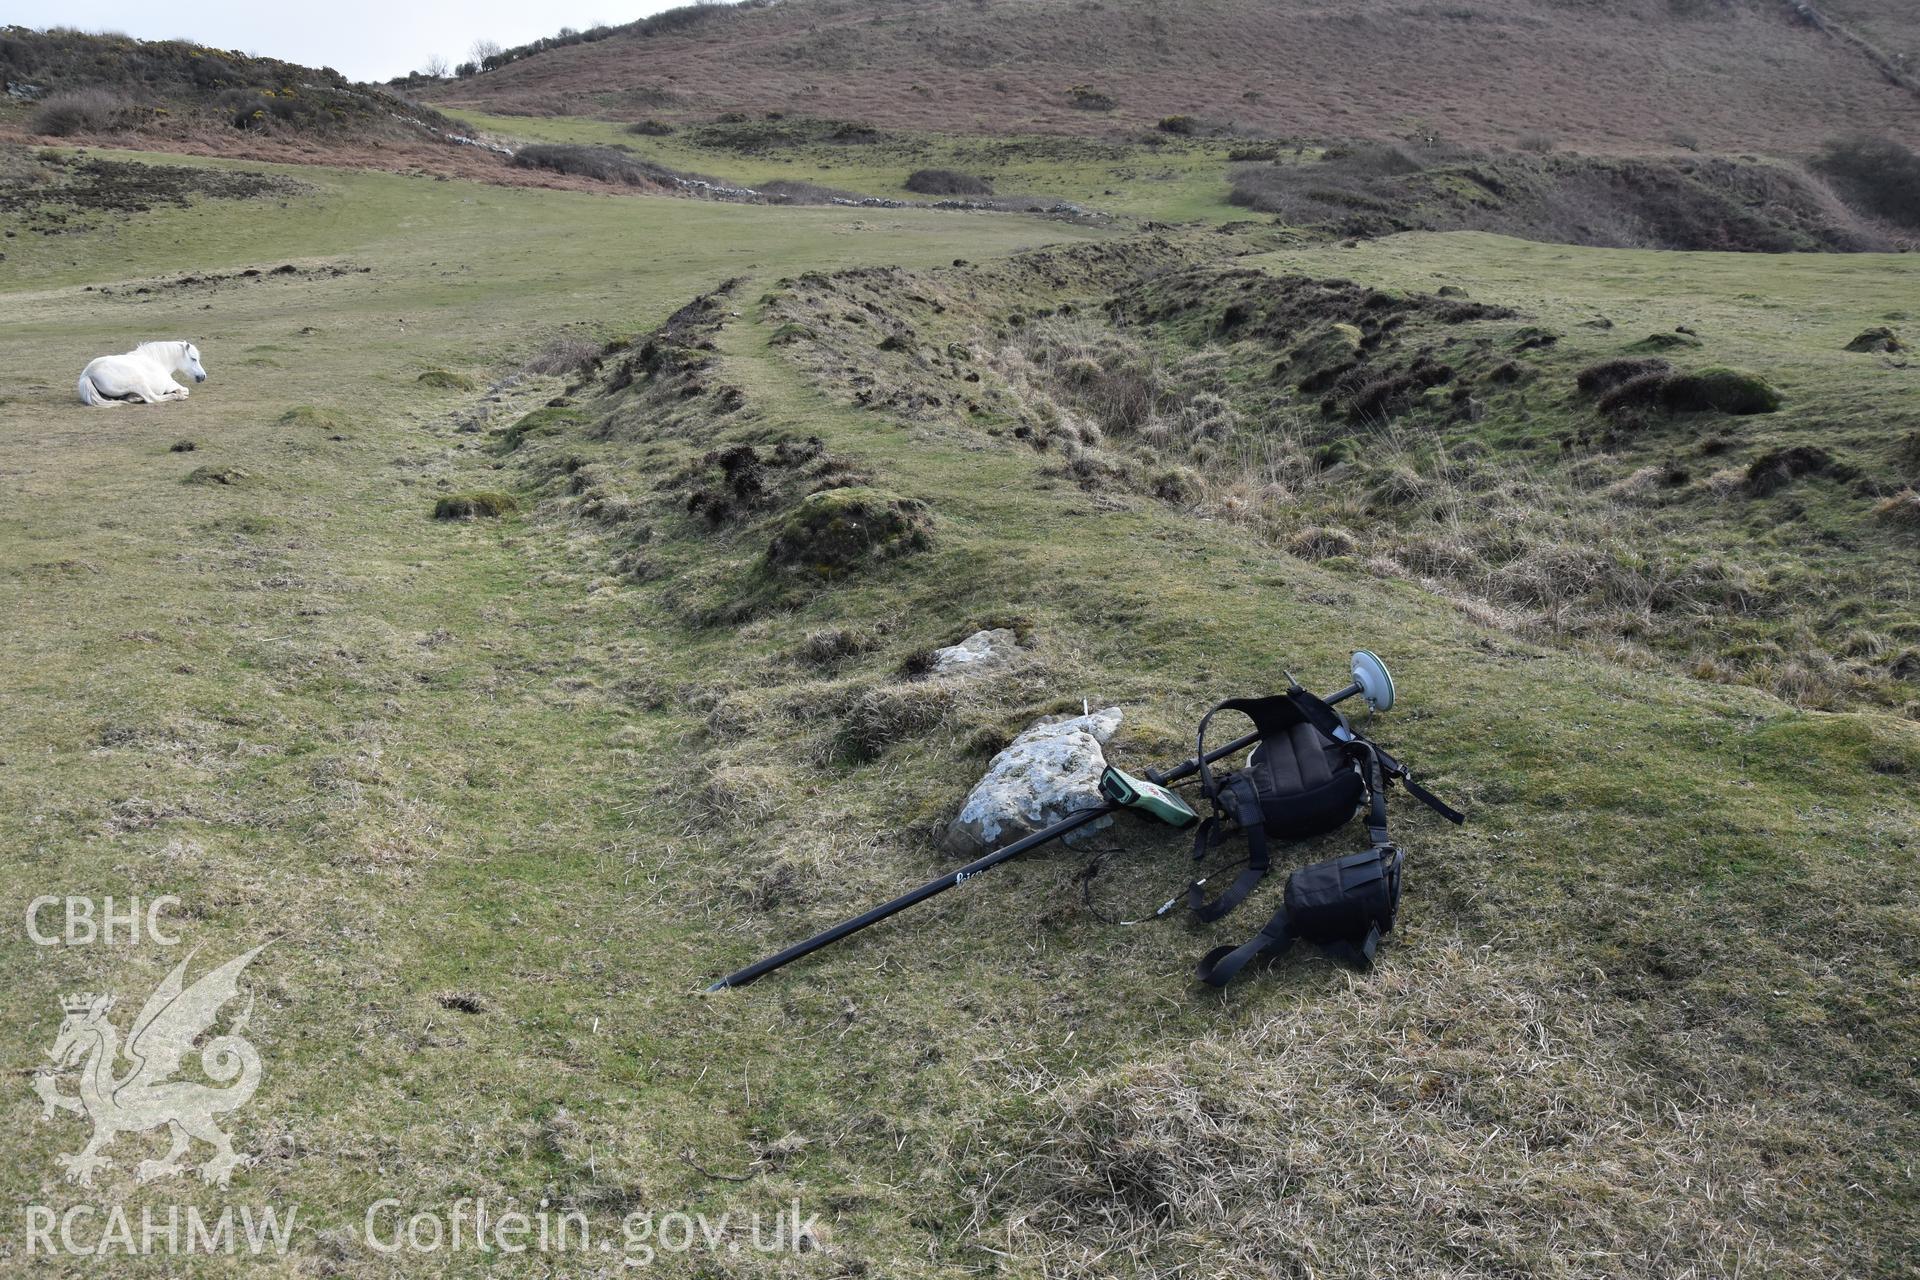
(1397, 772)
(1235, 800)
(1270, 717)
(1244, 883)
(1219, 966)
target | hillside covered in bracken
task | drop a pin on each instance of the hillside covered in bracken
(1622, 75)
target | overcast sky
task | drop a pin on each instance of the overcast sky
(364, 39)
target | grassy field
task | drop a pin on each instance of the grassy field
(1175, 180)
(308, 709)
(506, 795)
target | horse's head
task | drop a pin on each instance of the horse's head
(79, 1029)
(190, 362)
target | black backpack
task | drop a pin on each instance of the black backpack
(1309, 774)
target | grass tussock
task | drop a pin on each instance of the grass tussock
(832, 533)
(308, 417)
(881, 717)
(1902, 509)
(829, 646)
(486, 504)
(567, 355)
(1447, 1107)
(1598, 379)
(220, 476)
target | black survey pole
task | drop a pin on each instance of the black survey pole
(1069, 823)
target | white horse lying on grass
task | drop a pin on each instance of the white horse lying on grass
(144, 374)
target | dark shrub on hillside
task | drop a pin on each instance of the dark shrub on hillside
(1356, 187)
(1876, 174)
(947, 182)
(117, 82)
(683, 18)
(733, 131)
(1371, 159)
(605, 164)
(1713, 203)
(650, 128)
(667, 22)
(81, 111)
(153, 69)
(269, 108)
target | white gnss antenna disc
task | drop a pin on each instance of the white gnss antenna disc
(1376, 684)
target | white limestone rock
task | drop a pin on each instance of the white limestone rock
(1050, 771)
(979, 651)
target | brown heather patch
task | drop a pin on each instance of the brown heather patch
(1754, 78)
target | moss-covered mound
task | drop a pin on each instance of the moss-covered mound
(1657, 385)
(445, 380)
(833, 532)
(1719, 389)
(1878, 339)
(550, 420)
(1666, 342)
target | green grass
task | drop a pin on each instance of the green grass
(1655, 830)
(509, 760)
(1754, 308)
(1174, 180)
(323, 701)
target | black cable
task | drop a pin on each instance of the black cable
(1093, 868)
